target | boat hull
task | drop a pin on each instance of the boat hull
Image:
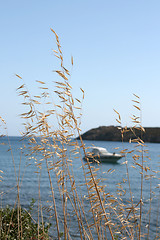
(103, 159)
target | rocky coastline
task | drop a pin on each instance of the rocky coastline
(113, 133)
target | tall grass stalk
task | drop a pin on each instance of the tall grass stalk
(54, 150)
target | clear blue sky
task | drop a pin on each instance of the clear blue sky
(116, 50)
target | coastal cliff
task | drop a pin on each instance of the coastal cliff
(112, 133)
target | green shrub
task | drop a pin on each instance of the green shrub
(17, 223)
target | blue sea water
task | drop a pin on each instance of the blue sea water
(25, 170)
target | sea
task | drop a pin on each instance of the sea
(15, 161)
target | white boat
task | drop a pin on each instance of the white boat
(99, 154)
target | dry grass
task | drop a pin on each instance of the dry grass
(55, 150)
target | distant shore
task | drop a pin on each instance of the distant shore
(112, 133)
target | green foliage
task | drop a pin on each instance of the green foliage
(18, 224)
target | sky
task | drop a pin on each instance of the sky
(115, 46)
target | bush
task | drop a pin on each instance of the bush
(17, 223)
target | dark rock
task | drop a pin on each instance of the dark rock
(112, 133)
